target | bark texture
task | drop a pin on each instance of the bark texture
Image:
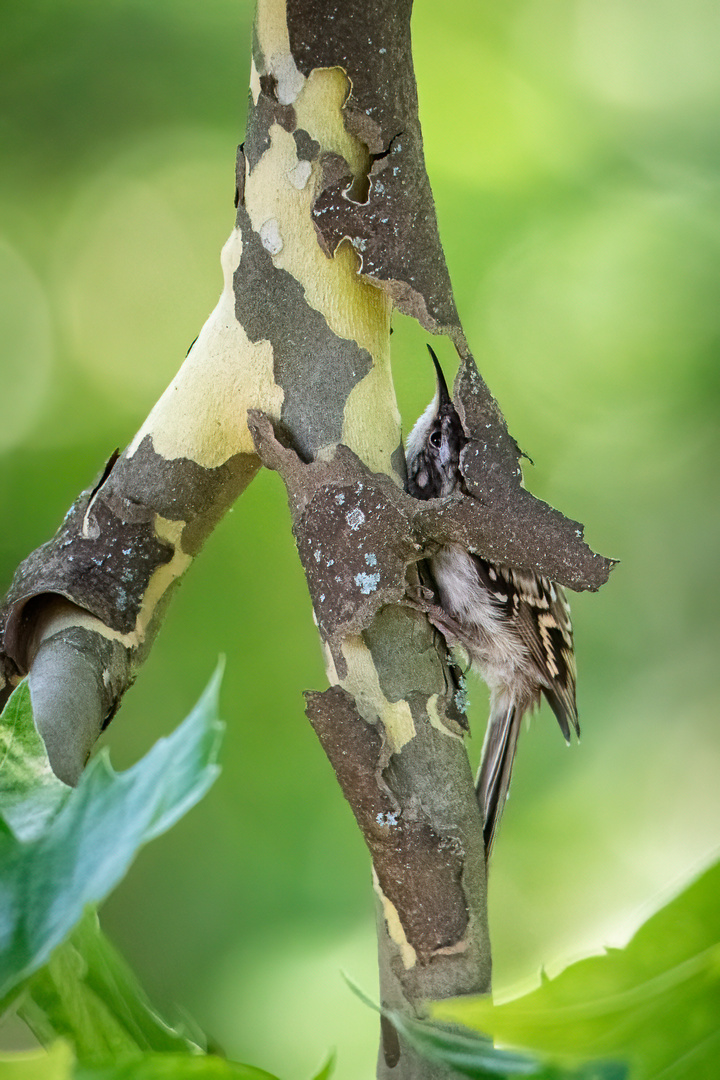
(389, 723)
(335, 226)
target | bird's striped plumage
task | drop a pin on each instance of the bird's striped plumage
(513, 624)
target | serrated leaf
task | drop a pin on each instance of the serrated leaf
(470, 1054)
(88, 995)
(655, 1003)
(30, 793)
(59, 1063)
(474, 1055)
(62, 848)
(172, 1067)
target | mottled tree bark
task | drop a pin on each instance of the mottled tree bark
(335, 227)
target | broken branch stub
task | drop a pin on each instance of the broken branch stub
(83, 609)
(146, 513)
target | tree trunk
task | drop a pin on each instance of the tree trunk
(335, 227)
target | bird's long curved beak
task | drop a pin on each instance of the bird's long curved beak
(443, 392)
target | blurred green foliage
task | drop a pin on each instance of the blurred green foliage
(574, 157)
(62, 851)
(654, 1004)
(62, 848)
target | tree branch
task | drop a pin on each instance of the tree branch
(335, 226)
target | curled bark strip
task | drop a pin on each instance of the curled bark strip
(101, 559)
(371, 44)
(518, 530)
(121, 547)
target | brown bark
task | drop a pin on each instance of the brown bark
(335, 227)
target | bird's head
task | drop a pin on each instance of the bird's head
(434, 444)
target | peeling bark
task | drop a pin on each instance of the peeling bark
(335, 225)
(419, 866)
(371, 44)
(357, 532)
(82, 611)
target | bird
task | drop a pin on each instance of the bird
(513, 624)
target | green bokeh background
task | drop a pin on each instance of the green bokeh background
(573, 150)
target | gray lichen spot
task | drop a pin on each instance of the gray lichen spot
(367, 583)
(355, 518)
(461, 698)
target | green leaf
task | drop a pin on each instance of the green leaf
(30, 793)
(59, 1064)
(474, 1055)
(655, 1003)
(62, 848)
(172, 1067)
(55, 1064)
(88, 995)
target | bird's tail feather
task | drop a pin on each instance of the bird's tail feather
(498, 756)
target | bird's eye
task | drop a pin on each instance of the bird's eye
(435, 439)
